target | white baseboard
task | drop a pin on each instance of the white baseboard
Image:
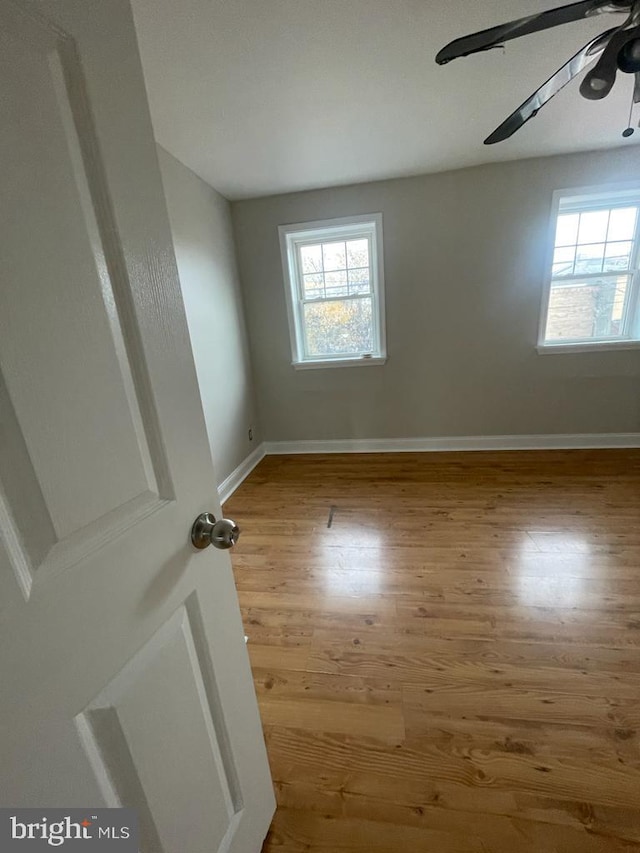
(231, 483)
(472, 442)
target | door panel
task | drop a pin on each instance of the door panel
(130, 681)
(163, 696)
(91, 471)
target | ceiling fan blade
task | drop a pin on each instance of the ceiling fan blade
(589, 53)
(599, 81)
(495, 36)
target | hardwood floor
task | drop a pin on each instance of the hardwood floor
(454, 664)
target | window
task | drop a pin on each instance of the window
(591, 300)
(333, 274)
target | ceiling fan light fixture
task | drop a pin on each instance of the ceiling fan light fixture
(615, 49)
(629, 57)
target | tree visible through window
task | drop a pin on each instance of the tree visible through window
(334, 289)
(593, 287)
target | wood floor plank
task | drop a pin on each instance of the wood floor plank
(501, 832)
(453, 675)
(283, 683)
(305, 622)
(292, 657)
(384, 724)
(307, 830)
(371, 604)
(520, 623)
(438, 800)
(453, 664)
(405, 656)
(432, 763)
(439, 578)
(470, 699)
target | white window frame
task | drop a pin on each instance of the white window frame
(585, 199)
(325, 230)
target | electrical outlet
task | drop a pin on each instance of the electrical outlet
(250, 433)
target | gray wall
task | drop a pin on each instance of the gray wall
(464, 269)
(203, 239)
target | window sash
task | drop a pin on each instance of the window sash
(630, 325)
(307, 356)
(627, 313)
(367, 234)
(611, 202)
(347, 297)
(558, 280)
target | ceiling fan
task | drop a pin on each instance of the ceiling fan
(617, 48)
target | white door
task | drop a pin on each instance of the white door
(125, 679)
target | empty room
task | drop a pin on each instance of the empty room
(320, 426)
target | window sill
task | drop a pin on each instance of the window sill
(549, 349)
(339, 362)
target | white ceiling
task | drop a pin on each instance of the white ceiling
(268, 96)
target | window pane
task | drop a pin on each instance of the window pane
(617, 256)
(311, 258)
(359, 281)
(589, 259)
(334, 256)
(335, 284)
(358, 253)
(589, 309)
(334, 328)
(622, 223)
(567, 229)
(593, 226)
(313, 286)
(563, 261)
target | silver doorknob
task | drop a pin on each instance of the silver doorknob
(206, 530)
